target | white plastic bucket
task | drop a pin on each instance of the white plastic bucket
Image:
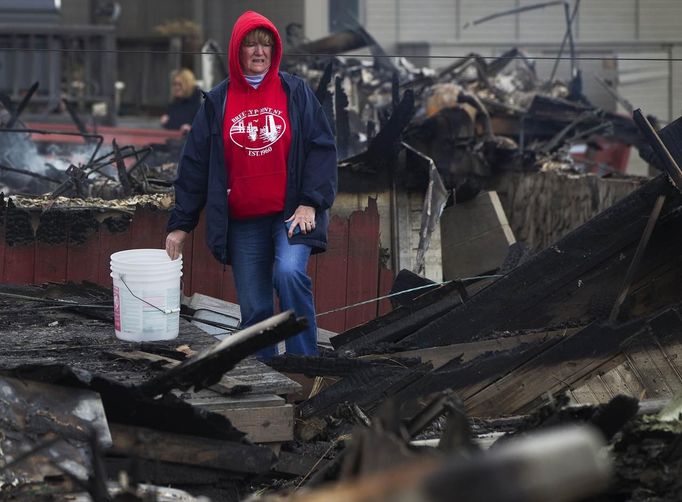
(146, 295)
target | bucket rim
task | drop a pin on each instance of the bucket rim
(125, 255)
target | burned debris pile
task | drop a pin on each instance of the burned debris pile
(74, 162)
(474, 118)
(592, 320)
(80, 406)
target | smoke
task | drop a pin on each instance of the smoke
(18, 151)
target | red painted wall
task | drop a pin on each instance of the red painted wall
(61, 251)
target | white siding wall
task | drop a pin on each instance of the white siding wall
(381, 18)
(391, 21)
(437, 23)
(503, 28)
(600, 21)
(546, 25)
(660, 19)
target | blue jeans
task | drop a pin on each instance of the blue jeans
(263, 259)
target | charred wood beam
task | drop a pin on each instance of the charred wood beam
(125, 405)
(342, 119)
(407, 280)
(665, 158)
(402, 321)
(637, 259)
(207, 368)
(366, 388)
(190, 450)
(667, 134)
(383, 149)
(328, 366)
(325, 97)
(21, 106)
(73, 113)
(123, 177)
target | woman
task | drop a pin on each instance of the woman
(261, 157)
(186, 101)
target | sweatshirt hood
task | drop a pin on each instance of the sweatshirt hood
(247, 22)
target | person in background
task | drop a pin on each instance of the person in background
(186, 100)
(261, 158)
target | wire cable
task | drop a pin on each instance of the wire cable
(347, 55)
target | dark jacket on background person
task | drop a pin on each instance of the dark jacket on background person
(311, 168)
(182, 111)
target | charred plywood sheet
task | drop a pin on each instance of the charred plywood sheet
(48, 430)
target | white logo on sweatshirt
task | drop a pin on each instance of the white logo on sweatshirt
(257, 130)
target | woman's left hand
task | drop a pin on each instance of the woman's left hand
(303, 218)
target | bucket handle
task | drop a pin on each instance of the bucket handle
(165, 311)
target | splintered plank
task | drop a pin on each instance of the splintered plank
(51, 247)
(363, 264)
(225, 385)
(207, 367)
(331, 276)
(615, 383)
(212, 401)
(262, 379)
(566, 364)
(207, 276)
(262, 424)
(189, 450)
(463, 352)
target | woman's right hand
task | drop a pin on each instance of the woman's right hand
(174, 243)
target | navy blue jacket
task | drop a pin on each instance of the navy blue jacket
(311, 168)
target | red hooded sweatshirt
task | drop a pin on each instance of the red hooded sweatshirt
(256, 130)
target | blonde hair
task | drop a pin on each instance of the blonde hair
(260, 36)
(187, 80)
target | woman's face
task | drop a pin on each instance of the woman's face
(254, 57)
(178, 88)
